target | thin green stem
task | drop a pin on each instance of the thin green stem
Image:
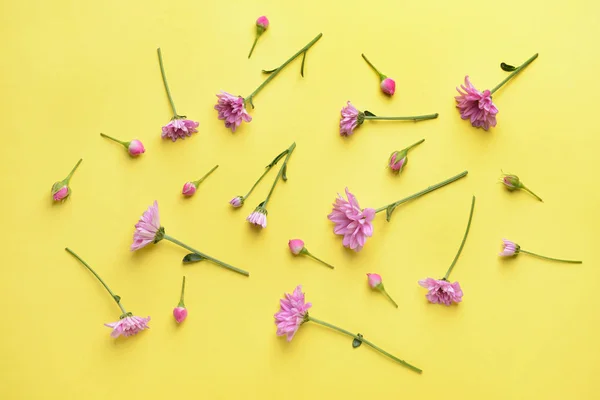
(218, 262)
(280, 173)
(389, 297)
(515, 72)
(278, 70)
(533, 194)
(462, 244)
(164, 78)
(258, 181)
(550, 258)
(181, 303)
(413, 118)
(68, 178)
(113, 139)
(415, 144)
(319, 260)
(381, 76)
(114, 296)
(199, 181)
(362, 339)
(422, 192)
(253, 45)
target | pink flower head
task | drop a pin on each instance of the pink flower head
(232, 109)
(293, 312)
(397, 161)
(388, 86)
(262, 22)
(237, 202)
(189, 189)
(180, 314)
(148, 229)
(351, 221)
(374, 280)
(296, 246)
(179, 128)
(128, 326)
(60, 194)
(258, 217)
(509, 248)
(476, 106)
(442, 291)
(351, 119)
(135, 148)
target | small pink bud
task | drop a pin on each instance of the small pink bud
(189, 189)
(180, 314)
(511, 182)
(237, 201)
(61, 194)
(262, 22)
(388, 86)
(135, 148)
(296, 246)
(397, 161)
(374, 280)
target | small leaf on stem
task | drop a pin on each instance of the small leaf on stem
(284, 173)
(270, 71)
(388, 212)
(192, 258)
(117, 298)
(507, 67)
(357, 342)
(302, 66)
(369, 113)
(279, 157)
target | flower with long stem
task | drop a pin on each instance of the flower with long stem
(133, 147)
(179, 127)
(259, 215)
(61, 190)
(189, 188)
(297, 247)
(399, 159)
(293, 313)
(180, 312)
(262, 23)
(387, 85)
(512, 183)
(441, 291)
(375, 282)
(148, 230)
(510, 249)
(128, 323)
(352, 118)
(232, 109)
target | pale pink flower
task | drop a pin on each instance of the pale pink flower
(237, 201)
(128, 326)
(148, 228)
(258, 217)
(135, 148)
(232, 109)
(293, 312)
(442, 291)
(396, 162)
(180, 314)
(61, 193)
(388, 86)
(374, 280)
(296, 246)
(509, 248)
(263, 22)
(351, 119)
(351, 221)
(188, 189)
(179, 128)
(476, 106)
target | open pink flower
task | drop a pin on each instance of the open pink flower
(232, 109)
(258, 217)
(128, 326)
(292, 313)
(442, 291)
(179, 128)
(351, 221)
(509, 248)
(148, 228)
(351, 118)
(476, 106)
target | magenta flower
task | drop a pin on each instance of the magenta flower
(351, 221)
(262, 23)
(509, 248)
(237, 202)
(297, 247)
(399, 159)
(61, 190)
(441, 291)
(128, 326)
(351, 119)
(292, 313)
(179, 128)
(476, 106)
(189, 188)
(232, 109)
(388, 86)
(258, 217)
(180, 312)
(375, 282)
(134, 147)
(61, 194)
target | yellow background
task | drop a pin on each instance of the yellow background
(526, 329)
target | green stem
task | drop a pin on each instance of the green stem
(415, 144)
(413, 118)
(533, 194)
(381, 76)
(550, 258)
(253, 45)
(422, 192)
(68, 178)
(113, 139)
(462, 244)
(283, 167)
(362, 339)
(114, 296)
(218, 262)
(258, 181)
(181, 303)
(164, 78)
(388, 296)
(319, 260)
(515, 72)
(278, 70)
(199, 181)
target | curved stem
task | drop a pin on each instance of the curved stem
(114, 296)
(181, 303)
(381, 76)
(362, 339)
(515, 72)
(422, 192)
(462, 244)
(414, 118)
(257, 182)
(389, 297)
(283, 167)
(278, 70)
(319, 260)
(68, 178)
(218, 262)
(550, 258)
(415, 144)
(253, 45)
(199, 181)
(113, 139)
(164, 78)
(533, 194)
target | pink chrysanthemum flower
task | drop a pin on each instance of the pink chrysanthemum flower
(293, 312)
(442, 291)
(476, 106)
(351, 119)
(351, 221)
(509, 248)
(232, 109)
(128, 326)
(179, 128)
(148, 228)
(258, 217)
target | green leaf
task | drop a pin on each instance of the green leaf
(388, 212)
(369, 113)
(302, 66)
(270, 71)
(192, 258)
(117, 298)
(507, 67)
(284, 173)
(357, 342)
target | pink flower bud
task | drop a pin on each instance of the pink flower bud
(511, 182)
(135, 148)
(388, 86)
(180, 314)
(374, 280)
(296, 246)
(189, 189)
(262, 22)
(397, 161)
(237, 201)
(61, 194)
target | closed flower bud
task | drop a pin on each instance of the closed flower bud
(296, 246)
(189, 189)
(262, 22)
(388, 86)
(61, 193)
(398, 160)
(135, 148)
(237, 202)
(180, 314)
(374, 280)
(512, 182)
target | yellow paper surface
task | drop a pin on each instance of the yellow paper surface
(526, 329)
